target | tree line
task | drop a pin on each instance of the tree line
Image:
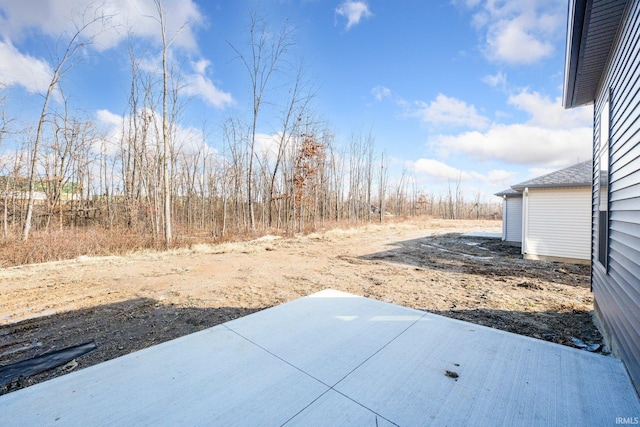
(153, 178)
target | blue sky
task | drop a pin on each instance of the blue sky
(450, 89)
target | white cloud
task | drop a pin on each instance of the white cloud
(203, 87)
(552, 137)
(58, 17)
(152, 65)
(199, 84)
(114, 132)
(513, 41)
(520, 32)
(380, 92)
(496, 178)
(195, 83)
(549, 113)
(438, 170)
(450, 111)
(55, 17)
(33, 74)
(267, 145)
(187, 140)
(109, 118)
(354, 11)
(497, 80)
(520, 144)
(442, 172)
(200, 66)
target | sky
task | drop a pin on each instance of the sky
(452, 91)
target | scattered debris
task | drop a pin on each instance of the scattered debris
(70, 366)
(581, 345)
(45, 362)
(593, 347)
(578, 342)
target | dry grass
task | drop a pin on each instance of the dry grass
(57, 245)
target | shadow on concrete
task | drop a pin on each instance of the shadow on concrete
(117, 329)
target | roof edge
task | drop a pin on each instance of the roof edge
(564, 185)
(575, 29)
(509, 192)
(580, 175)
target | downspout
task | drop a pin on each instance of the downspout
(504, 218)
(525, 215)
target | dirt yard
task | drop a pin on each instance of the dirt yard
(129, 303)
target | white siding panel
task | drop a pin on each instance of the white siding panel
(513, 219)
(559, 223)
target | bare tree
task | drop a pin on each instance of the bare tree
(131, 144)
(265, 53)
(4, 129)
(64, 62)
(368, 177)
(69, 136)
(291, 120)
(477, 197)
(382, 185)
(4, 122)
(162, 19)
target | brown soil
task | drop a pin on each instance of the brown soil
(129, 303)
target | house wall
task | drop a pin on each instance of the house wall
(617, 288)
(558, 224)
(512, 220)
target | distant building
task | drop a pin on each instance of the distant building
(23, 195)
(18, 189)
(550, 216)
(511, 216)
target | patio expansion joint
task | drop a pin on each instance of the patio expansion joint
(379, 350)
(276, 356)
(332, 387)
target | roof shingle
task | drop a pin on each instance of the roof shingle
(579, 175)
(509, 192)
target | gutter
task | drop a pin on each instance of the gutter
(525, 215)
(546, 186)
(575, 45)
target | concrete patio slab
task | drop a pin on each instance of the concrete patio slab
(500, 379)
(334, 409)
(327, 335)
(336, 359)
(212, 377)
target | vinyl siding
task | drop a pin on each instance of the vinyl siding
(617, 289)
(512, 221)
(558, 223)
